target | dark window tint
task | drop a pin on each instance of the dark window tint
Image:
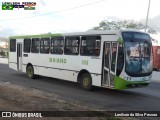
(13, 45)
(57, 45)
(45, 45)
(72, 45)
(35, 45)
(27, 45)
(90, 45)
(114, 53)
(120, 60)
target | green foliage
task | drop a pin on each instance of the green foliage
(125, 24)
(2, 53)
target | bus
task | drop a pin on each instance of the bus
(113, 59)
(156, 60)
(156, 52)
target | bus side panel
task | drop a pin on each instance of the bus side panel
(94, 67)
(55, 66)
(71, 67)
(96, 80)
(13, 60)
(26, 60)
(74, 64)
(24, 68)
(33, 59)
(42, 64)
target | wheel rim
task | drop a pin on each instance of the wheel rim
(29, 71)
(86, 82)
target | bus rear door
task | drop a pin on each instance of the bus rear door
(19, 56)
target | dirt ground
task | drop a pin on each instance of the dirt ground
(18, 98)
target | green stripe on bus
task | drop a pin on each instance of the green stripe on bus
(36, 36)
(120, 40)
(120, 83)
(58, 60)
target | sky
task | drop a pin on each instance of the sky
(63, 16)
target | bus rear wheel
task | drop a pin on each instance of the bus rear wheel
(86, 82)
(30, 72)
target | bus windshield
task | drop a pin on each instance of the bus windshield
(138, 53)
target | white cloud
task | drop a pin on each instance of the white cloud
(66, 16)
(1, 28)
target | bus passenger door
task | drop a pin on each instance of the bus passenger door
(19, 56)
(109, 63)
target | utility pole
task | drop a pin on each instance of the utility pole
(147, 15)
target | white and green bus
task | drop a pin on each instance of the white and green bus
(111, 59)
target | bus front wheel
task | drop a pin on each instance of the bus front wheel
(30, 72)
(86, 82)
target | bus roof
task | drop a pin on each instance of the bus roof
(91, 32)
(35, 36)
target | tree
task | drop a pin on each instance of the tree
(2, 53)
(125, 24)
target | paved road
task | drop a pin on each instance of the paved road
(140, 99)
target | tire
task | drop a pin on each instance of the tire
(30, 72)
(86, 82)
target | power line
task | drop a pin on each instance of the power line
(55, 11)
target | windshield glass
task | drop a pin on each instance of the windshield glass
(138, 53)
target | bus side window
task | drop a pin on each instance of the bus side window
(44, 45)
(90, 45)
(57, 44)
(72, 45)
(35, 45)
(114, 53)
(12, 45)
(27, 45)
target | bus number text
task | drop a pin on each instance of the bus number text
(84, 62)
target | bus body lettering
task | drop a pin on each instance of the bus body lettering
(57, 60)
